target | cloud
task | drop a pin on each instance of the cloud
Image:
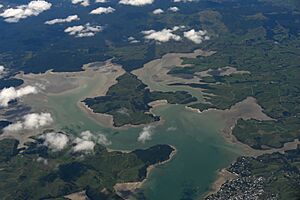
(132, 40)
(164, 35)
(2, 71)
(55, 141)
(83, 145)
(136, 2)
(81, 2)
(9, 94)
(146, 134)
(1, 6)
(102, 10)
(157, 11)
(184, 1)
(15, 127)
(196, 36)
(63, 20)
(86, 30)
(87, 141)
(30, 122)
(174, 9)
(42, 160)
(2, 68)
(33, 8)
(101, 1)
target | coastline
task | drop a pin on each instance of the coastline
(133, 186)
(107, 120)
(223, 175)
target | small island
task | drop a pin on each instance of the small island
(128, 101)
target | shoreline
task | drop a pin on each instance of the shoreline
(133, 186)
(231, 116)
(106, 120)
(223, 175)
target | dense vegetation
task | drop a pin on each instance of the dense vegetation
(267, 46)
(39, 173)
(8, 149)
(127, 101)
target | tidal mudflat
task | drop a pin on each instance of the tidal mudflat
(201, 149)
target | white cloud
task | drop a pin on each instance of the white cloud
(9, 94)
(132, 40)
(196, 36)
(63, 20)
(102, 139)
(42, 160)
(83, 145)
(157, 11)
(146, 134)
(184, 1)
(30, 122)
(164, 35)
(55, 141)
(86, 30)
(1, 6)
(136, 2)
(102, 10)
(2, 70)
(33, 8)
(87, 141)
(15, 127)
(174, 9)
(101, 1)
(81, 2)
(35, 120)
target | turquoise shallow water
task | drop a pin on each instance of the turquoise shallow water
(201, 148)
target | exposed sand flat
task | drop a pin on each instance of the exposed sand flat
(132, 187)
(104, 119)
(246, 109)
(55, 83)
(77, 196)
(224, 71)
(155, 73)
(98, 76)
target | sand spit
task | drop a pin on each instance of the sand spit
(132, 187)
(77, 196)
